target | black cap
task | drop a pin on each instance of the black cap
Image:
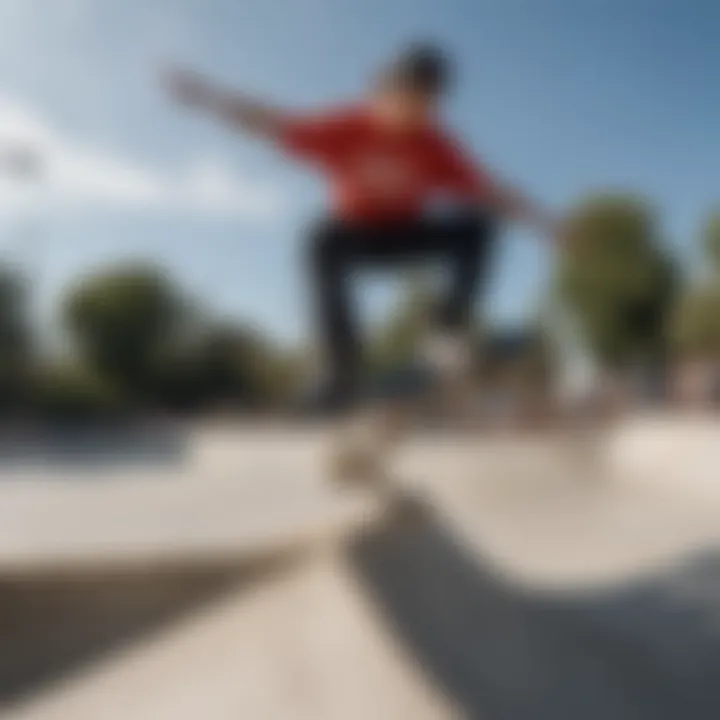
(423, 67)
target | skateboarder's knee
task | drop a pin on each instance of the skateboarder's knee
(325, 245)
(474, 226)
(470, 237)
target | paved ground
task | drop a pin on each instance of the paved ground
(528, 587)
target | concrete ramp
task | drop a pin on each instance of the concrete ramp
(647, 650)
(303, 643)
(57, 626)
(403, 621)
(676, 454)
(516, 589)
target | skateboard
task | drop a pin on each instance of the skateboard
(402, 399)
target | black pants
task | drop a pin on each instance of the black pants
(337, 249)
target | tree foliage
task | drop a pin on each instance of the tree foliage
(15, 339)
(695, 324)
(122, 319)
(74, 393)
(226, 367)
(617, 278)
(712, 240)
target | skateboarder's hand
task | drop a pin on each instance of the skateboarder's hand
(560, 234)
(242, 112)
(186, 87)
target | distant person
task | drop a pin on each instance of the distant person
(388, 158)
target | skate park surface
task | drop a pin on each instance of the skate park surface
(214, 572)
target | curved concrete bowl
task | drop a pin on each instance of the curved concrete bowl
(677, 453)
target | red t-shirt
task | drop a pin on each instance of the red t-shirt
(381, 175)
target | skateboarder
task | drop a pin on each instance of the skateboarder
(388, 159)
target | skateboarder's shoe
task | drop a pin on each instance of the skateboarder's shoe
(354, 463)
(448, 354)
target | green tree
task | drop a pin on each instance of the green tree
(15, 340)
(226, 367)
(71, 393)
(712, 240)
(276, 374)
(221, 366)
(617, 279)
(695, 323)
(199, 371)
(121, 320)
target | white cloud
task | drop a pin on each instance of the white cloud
(68, 175)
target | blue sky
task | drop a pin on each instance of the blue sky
(562, 96)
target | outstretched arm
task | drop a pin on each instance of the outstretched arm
(515, 205)
(242, 112)
(474, 182)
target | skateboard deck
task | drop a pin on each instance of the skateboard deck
(365, 444)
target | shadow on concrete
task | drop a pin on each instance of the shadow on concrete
(86, 447)
(50, 627)
(644, 652)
